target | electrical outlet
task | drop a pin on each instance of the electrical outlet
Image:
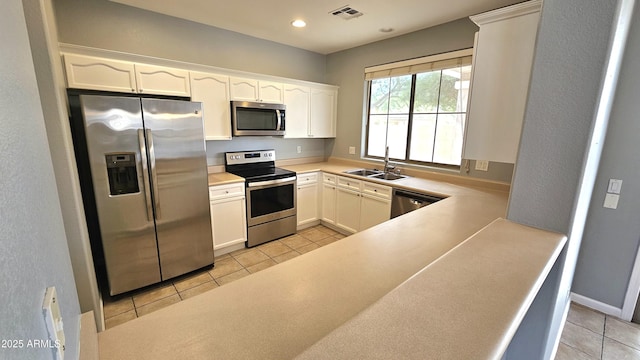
(53, 321)
(352, 150)
(482, 165)
(299, 149)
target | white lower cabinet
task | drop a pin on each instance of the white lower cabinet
(373, 211)
(308, 200)
(361, 204)
(329, 191)
(348, 209)
(228, 217)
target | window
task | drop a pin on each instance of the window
(418, 109)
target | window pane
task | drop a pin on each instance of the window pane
(397, 136)
(448, 146)
(377, 135)
(400, 94)
(423, 132)
(379, 96)
(454, 90)
(427, 90)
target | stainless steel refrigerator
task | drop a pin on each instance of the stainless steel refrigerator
(149, 174)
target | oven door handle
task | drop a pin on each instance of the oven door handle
(271, 182)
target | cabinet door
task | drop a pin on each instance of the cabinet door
(322, 119)
(86, 72)
(243, 89)
(329, 203)
(228, 220)
(296, 98)
(307, 203)
(271, 92)
(500, 81)
(348, 209)
(213, 91)
(162, 80)
(374, 210)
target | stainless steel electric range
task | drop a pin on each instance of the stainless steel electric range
(270, 194)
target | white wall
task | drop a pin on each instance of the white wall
(34, 252)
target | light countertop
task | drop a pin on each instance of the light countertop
(453, 267)
(223, 178)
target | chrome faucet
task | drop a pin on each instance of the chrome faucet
(387, 167)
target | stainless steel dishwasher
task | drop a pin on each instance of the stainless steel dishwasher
(404, 201)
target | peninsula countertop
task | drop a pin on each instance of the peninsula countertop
(402, 272)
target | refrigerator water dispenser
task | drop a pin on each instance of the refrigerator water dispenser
(121, 171)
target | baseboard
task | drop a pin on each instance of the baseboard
(596, 305)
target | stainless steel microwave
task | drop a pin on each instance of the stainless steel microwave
(257, 119)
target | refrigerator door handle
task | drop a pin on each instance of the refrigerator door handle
(145, 175)
(154, 174)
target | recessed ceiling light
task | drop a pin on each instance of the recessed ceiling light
(385, 30)
(299, 23)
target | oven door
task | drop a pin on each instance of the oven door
(270, 200)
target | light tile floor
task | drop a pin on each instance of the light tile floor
(227, 268)
(589, 335)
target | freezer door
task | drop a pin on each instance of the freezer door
(113, 126)
(178, 164)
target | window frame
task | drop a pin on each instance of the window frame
(367, 117)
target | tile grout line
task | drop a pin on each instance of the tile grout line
(604, 330)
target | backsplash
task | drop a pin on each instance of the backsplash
(285, 148)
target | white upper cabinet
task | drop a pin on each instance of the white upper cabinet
(213, 91)
(502, 59)
(86, 72)
(244, 89)
(311, 111)
(162, 80)
(311, 107)
(322, 121)
(95, 73)
(297, 99)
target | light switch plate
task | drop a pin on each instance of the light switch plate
(614, 186)
(299, 149)
(352, 150)
(611, 201)
(482, 165)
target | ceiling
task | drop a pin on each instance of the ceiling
(325, 33)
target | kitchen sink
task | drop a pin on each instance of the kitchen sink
(374, 174)
(364, 172)
(387, 176)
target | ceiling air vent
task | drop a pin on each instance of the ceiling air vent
(346, 12)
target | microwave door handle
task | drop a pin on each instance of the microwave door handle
(279, 119)
(145, 175)
(154, 174)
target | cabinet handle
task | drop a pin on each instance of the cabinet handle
(226, 191)
(141, 90)
(133, 90)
